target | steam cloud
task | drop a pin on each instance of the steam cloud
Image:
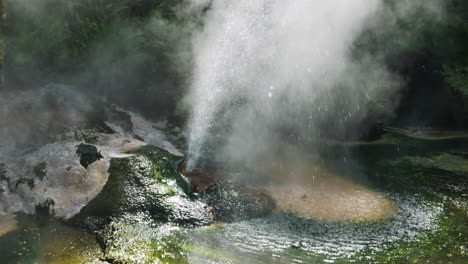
(269, 68)
(262, 69)
(45, 94)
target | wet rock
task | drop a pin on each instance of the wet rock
(88, 154)
(140, 240)
(51, 173)
(131, 124)
(71, 166)
(119, 120)
(202, 179)
(148, 182)
(231, 200)
(116, 145)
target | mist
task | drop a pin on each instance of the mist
(62, 70)
(233, 131)
(269, 73)
(135, 53)
(256, 75)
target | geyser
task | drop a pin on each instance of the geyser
(265, 65)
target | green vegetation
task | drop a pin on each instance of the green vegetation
(165, 165)
(443, 163)
(426, 46)
(140, 183)
(457, 77)
(138, 241)
(89, 135)
(105, 45)
(53, 41)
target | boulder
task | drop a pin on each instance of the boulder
(138, 239)
(148, 182)
(52, 176)
(230, 199)
(134, 125)
(233, 201)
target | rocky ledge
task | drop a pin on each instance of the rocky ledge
(114, 180)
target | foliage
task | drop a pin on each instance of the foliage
(426, 46)
(127, 50)
(457, 77)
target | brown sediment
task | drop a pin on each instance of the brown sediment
(310, 191)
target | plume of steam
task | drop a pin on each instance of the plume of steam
(266, 67)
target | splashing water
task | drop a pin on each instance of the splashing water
(260, 64)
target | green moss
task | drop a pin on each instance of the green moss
(140, 241)
(446, 244)
(439, 177)
(157, 172)
(102, 127)
(88, 135)
(440, 162)
(141, 183)
(165, 165)
(395, 145)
